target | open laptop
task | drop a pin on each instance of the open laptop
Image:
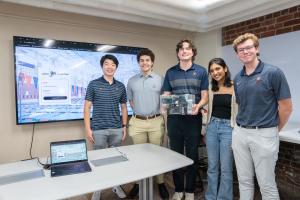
(69, 157)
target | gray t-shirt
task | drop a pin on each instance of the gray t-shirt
(145, 93)
(257, 95)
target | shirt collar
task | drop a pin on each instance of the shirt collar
(105, 81)
(142, 75)
(191, 68)
(257, 70)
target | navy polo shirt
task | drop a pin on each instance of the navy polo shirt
(106, 99)
(257, 95)
(191, 81)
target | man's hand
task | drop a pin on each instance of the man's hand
(195, 109)
(89, 136)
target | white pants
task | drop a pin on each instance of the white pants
(256, 150)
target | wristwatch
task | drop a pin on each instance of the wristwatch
(124, 125)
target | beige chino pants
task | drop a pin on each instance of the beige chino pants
(150, 130)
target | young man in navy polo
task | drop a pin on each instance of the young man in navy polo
(184, 131)
(105, 94)
(264, 101)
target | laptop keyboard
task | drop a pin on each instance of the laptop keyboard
(73, 168)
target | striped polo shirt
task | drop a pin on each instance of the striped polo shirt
(191, 81)
(106, 99)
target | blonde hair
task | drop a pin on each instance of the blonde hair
(242, 38)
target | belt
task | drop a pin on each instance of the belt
(146, 117)
(252, 127)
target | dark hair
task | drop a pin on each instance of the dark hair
(180, 44)
(227, 81)
(109, 57)
(146, 52)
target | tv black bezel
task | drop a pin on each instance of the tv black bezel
(64, 45)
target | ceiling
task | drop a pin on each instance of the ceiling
(192, 15)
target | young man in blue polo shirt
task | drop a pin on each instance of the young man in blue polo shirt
(184, 131)
(264, 101)
(105, 94)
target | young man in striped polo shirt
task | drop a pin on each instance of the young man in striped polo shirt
(184, 131)
(105, 94)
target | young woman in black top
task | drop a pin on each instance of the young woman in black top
(220, 121)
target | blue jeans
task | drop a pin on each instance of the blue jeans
(220, 158)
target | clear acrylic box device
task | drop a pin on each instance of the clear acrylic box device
(177, 104)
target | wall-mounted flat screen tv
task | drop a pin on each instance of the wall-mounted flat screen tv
(51, 76)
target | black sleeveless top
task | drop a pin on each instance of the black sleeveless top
(221, 107)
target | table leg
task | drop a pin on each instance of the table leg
(146, 189)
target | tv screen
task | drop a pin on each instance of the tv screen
(51, 76)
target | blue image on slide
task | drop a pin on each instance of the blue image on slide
(80, 67)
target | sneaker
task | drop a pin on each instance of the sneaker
(189, 196)
(177, 196)
(96, 195)
(119, 191)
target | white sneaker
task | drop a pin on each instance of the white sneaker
(119, 191)
(177, 196)
(96, 195)
(189, 196)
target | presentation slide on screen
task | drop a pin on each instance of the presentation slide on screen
(54, 89)
(51, 83)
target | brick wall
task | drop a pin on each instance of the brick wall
(280, 22)
(288, 170)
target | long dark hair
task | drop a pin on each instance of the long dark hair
(227, 81)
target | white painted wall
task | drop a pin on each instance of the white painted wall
(209, 45)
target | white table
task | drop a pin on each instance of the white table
(290, 133)
(292, 136)
(145, 161)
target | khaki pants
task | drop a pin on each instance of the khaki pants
(150, 130)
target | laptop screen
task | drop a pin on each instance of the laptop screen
(68, 151)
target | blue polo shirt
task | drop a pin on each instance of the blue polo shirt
(106, 99)
(191, 81)
(257, 95)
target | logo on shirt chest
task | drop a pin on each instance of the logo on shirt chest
(258, 80)
(194, 73)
